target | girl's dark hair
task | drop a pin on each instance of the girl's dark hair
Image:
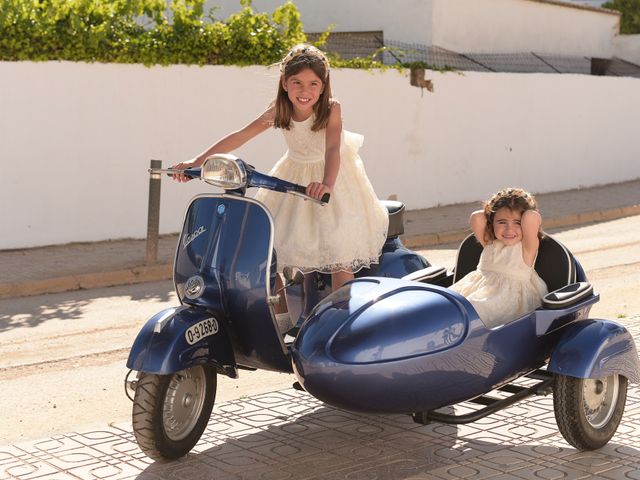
(298, 59)
(515, 199)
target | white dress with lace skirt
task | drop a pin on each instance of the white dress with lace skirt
(503, 287)
(346, 234)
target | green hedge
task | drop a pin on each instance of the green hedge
(630, 10)
(144, 31)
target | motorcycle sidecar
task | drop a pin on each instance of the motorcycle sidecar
(387, 345)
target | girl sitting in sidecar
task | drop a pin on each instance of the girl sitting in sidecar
(505, 285)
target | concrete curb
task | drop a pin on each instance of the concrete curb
(164, 271)
(138, 274)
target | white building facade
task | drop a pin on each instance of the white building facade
(477, 26)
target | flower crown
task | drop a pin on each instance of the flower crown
(299, 50)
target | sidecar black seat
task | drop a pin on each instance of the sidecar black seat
(395, 210)
(554, 264)
(467, 258)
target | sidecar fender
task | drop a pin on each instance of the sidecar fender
(178, 338)
(594, 349)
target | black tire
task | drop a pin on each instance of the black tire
(588, 411)
(170, 412)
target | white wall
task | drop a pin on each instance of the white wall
(627, 47)
(76, 139)
(82, 135)
(512, 26)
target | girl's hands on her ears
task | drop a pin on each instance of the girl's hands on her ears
(317, 190)
(183, 166)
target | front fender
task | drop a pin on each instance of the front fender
(166, 345)
(595, 349)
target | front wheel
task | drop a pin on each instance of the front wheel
(170, 412)
(588, 411)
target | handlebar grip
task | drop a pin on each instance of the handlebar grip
(302, 189)
(192, 172)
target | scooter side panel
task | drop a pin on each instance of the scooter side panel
(178, 338)
(595, 349)
(227, 242)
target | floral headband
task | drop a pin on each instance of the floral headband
(304, 50)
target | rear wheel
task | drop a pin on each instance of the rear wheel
(588, 411)
(170, 412)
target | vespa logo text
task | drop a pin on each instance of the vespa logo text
(187, 239)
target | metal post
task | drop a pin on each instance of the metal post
(153, 215)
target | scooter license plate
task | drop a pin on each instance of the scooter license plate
(201, 330)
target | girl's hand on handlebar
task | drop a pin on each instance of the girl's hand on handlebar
(183, 166)
(317, 190)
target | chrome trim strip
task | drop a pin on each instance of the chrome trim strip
(164, 319)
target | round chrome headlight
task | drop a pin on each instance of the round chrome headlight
(224, 170)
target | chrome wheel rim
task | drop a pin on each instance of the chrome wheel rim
(183, 402)
(599, 398)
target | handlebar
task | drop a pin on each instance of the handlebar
(256, 179)
(170, 172)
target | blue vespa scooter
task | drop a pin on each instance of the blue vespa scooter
(393, 340)
(224, 275)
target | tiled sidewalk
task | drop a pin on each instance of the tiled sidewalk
(290, 435)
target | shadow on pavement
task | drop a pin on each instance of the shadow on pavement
(28, 312)
(329, 444)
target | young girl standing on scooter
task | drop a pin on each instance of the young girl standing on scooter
(505, 284)
(348, 233)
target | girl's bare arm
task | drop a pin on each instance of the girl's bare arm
(478, 223)
(230, 142)
(530, 224)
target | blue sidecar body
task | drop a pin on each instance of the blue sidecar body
(394, 345)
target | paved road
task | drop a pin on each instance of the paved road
(62, 355)
(62, 364)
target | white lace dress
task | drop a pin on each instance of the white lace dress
(503, 287)
(346, 234)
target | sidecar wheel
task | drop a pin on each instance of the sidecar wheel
(170, 412)
(588, 411)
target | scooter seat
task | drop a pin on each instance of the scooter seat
(392, 206)
(395, 211)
